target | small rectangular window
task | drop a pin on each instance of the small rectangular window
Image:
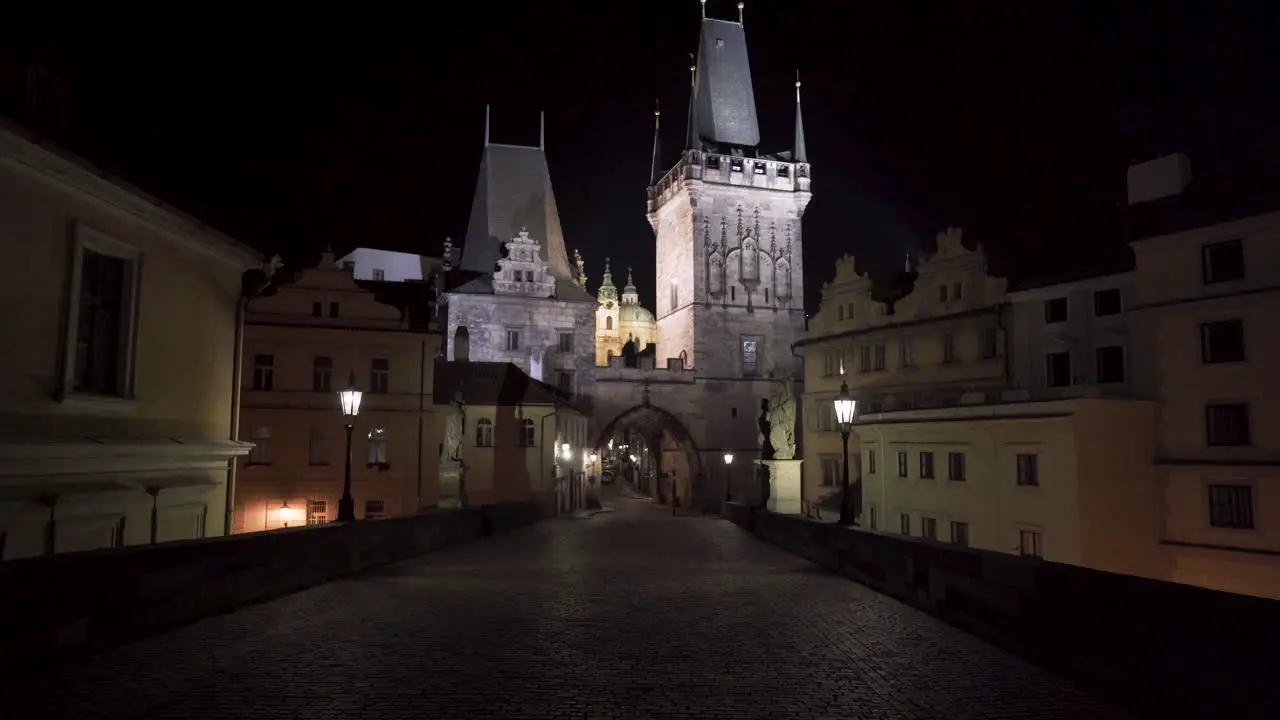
(751, 356)
(378, 274)
(960, 533)
(902, 464)
(566, 342)
(1057, 369)
(989, 343)
(317, 309)
(904, 523)
(264, 372)
(1231, 506)
(955, 467)
(871, 462)
(1106, 302)
(1055, 311)
(1223, 261)
(942, 293)
(926, 466)
(333, 309)
(949, 354)
(831, 471)
(374, 509)
(322, 374)
(1029, 542)
(513, 339)
(1227, 425)
(1028, 470)
(317, 512)
(1110, 364)
(379, 375)
(928, 528)
(1222, 342)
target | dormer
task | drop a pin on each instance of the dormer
(523, 271)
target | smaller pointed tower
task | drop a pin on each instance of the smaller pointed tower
(608, 341)
(798, 152)
(630, 296)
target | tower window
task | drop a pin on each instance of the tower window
(719, 42)
(761, 168)
(608, 323)
(784, 171)
(675, 296)
(379, 274)
(735, 165)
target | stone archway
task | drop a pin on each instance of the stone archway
(653, 421)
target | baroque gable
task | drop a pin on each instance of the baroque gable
(952, 279)
(523, 271)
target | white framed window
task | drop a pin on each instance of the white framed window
(322, 374)
(526, 433)
(102, 316)
(566, 342)
(379, 274)
(831, 475)
(929, 528)
(261, 452)
(375, 509)
(751, 355)
(513, 339)
(1028, 470)
(484, 432)
(960, 533)
(379, 375)
(315, 448)
(264, 372)
(1030, 542)
(376, 448)
(317, 512)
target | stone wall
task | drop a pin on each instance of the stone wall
(1155, 648)
(67, 603)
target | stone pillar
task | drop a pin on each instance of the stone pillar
(453, 484)
(785, 483)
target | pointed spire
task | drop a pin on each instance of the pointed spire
(486, 125)
(691, 133)
(542, 131)
(798, 153)
(907, 265)
(630, 283)
(607, 278)
(740, 6)
(654, 166)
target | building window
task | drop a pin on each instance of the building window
(261, 452)
(1223, 261)
(317, 512)
(926, 466)
(1055, 311)
(675, 296)
(518, 275)
(942, 293)
(349, 265)
(1057, 369)
(333, 309)
(928, 528)
(761, 168)
(960, 533)
(875, 524)
(904, 523)
(902, 464)
(877, 356)
(1227, 424)
(1106, 302)
(1028, 470)
(322, 374)
(907, 353)
(102, 320)
(955, 467)
(751, 355)
(564, 380)
(955, 291)
(849, 312)
(784, 171)
(830, 363)
(839, 312)
(566, 342)
(608, 322)
(1222, 342)
(871, 462)
(989, 345)
(379, 375)
(315, 448)
(948, 348)
(831, 471)
(484, 433)
(317, 309)
(1231, 506)
(1029, 543)
(376, 448)
(733, 293)
(378, 274)
(826, 417)
(1110, 364)
(526, 433)
(264, 372)
(864, 358)
(513, 339)
(374, 509)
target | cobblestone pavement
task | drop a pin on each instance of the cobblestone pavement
(630, 614)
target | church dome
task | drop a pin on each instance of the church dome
(634, 313)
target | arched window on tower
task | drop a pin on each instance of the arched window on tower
(608, 323)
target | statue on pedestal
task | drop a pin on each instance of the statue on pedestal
(454, 429)
(765, 431)
(782, 421)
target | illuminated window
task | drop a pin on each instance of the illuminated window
(376, 449)
(484, 432)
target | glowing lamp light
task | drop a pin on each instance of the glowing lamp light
(594, 457)
(728, 458)
(350, 398)
(635, 459)
(287, 514)
(565, 452)
(846, 406)
(610, 443)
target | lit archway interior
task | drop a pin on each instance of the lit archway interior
(654, 451)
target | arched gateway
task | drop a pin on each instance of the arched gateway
(673, 454)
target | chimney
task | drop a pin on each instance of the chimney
(1163, 177)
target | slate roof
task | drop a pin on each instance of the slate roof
(725, 103)
(513, 192)
(493, 383)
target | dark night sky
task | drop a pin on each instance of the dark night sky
(361, 124)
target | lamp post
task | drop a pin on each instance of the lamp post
(728, 477)
(850, 507)
(350, 408)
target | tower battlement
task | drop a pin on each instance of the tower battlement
(764, 173)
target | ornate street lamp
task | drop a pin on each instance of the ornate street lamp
(350, 399)
(728, 477)
(846, 408)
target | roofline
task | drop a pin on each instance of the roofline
(28, 152)
(1082, 281)
(1244, 219)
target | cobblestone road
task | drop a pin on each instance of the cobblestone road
(628, 614)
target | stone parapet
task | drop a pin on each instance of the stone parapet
(1157, 648)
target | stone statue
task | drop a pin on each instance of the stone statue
(782, 421)
(765, 431)
(454, 429)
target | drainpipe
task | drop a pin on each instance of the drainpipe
(237, 373)
(422, 391)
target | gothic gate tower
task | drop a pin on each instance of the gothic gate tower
(730, 295)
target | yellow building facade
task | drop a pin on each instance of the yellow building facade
(117, 406)
(1205, 300)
